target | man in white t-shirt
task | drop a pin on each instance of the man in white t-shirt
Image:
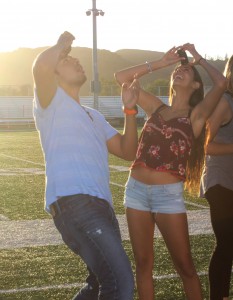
(76, 141)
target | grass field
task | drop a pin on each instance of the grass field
(54, 272)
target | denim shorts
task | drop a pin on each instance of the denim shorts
(166, 198)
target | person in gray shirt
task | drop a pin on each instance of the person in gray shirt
(217, 188)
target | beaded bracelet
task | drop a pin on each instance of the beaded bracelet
(149, 67)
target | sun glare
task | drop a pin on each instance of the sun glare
(148, 25)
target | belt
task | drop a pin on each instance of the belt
(57, 206)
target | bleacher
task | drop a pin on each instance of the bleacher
(109, 106)
(16, 111)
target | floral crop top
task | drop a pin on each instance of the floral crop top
(165, 145)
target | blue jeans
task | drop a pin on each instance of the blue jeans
(89, 227)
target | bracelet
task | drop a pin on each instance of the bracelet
(149, 67)
(132, 111)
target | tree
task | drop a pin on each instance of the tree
(158, 87)
(109, 88)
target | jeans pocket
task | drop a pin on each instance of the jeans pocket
(68, 228)
(174, 189)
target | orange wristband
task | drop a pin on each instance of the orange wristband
(132, 111)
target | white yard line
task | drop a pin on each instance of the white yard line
(24, 160)
(41, 288)
(78, 284)
(21, 171)
(117, 184)
(119, 168)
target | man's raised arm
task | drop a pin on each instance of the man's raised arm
(44, 68)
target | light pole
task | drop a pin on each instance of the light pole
(95, 84)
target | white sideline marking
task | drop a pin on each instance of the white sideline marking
(72, 285)
(25, 160)
(21, 171)
(117, 184)
(42, 288)
(119, 168)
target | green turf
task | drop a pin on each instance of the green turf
(56, 265)
(23, 145)
(22, 199)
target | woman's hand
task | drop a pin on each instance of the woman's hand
(130, 94)
(171, 56)
(191, 49)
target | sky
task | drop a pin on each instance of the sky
(127, 24)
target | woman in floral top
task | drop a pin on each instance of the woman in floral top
(170, 153)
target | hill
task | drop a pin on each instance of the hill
(15, 66)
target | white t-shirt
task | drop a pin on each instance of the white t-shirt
(74, 146)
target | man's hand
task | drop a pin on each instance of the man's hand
(130, 94)
(64, 43)
(44, 68)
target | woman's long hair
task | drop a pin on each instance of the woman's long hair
(196, 159)
(228, 72)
